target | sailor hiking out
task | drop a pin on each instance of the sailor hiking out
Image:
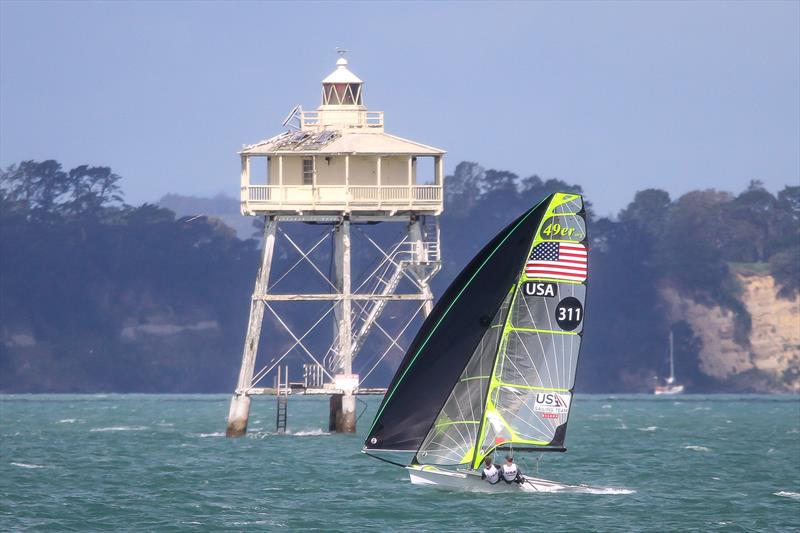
(490, 472)
(510, 472)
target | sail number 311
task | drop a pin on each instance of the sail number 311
(569, 313)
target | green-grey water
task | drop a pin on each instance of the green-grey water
(161, 463)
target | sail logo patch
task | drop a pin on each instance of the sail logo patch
(551, 403)
(540, 288)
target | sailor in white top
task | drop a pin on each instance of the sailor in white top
(510, 471)
(490, 472)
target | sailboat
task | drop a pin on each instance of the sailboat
(492, 369)
(670, 387)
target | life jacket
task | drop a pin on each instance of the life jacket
(492, 474)
(510, 472)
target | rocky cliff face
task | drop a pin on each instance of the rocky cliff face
(771, 362)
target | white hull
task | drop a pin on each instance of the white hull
(471, 481)
(668, 390)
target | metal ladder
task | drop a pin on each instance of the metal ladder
(282, 391)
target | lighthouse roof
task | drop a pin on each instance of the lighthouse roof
(336, 142)
(342, 74)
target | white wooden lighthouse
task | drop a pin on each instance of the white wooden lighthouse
(336, 166)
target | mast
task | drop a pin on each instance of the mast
(671, 378)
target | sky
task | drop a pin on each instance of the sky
(614, 96)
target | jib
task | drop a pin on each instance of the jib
(535, 288)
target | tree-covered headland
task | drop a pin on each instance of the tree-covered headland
(99, 295)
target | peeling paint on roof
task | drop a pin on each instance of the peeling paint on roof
(338, 142)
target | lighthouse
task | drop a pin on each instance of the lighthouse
(337, 168)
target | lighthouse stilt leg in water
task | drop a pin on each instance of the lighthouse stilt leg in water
(240, 403)
(343, 413)
(343, 406)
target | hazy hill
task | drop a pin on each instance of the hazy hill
(98, 295)
(221, 207)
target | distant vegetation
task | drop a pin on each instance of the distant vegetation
(689, 243)
(82, 272)
(83, 275)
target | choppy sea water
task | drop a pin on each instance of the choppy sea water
(161, 463)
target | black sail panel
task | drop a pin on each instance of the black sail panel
(446, 341)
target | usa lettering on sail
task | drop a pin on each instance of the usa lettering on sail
(557, 260)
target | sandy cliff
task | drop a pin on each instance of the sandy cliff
(774, 350)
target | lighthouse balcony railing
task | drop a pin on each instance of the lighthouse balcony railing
(364, 197)
(344, 118)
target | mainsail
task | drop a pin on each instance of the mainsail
(494, 365)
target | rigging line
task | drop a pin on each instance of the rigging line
(384, 459)
(274, 283)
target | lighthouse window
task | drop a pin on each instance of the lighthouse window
(330, 95)
(308, 171)
(341, 94)
(354, 93)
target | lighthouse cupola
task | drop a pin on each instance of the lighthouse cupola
(342, 88)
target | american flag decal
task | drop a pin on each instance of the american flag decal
(557, 260)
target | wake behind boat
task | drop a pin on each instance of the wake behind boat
(493, 367)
